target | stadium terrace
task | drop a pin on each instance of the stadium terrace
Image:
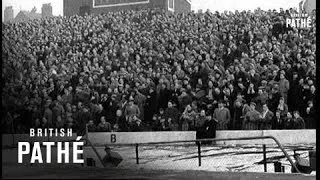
(154, 70)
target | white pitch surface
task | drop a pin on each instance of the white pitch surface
(214, 158)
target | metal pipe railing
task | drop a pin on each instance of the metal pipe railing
(92, 146)
(264, 157)
(137, 153)
(199, 153)
(198, 141)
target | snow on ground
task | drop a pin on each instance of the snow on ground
(178, 157)
(214, 158)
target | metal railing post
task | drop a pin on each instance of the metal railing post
(277, 166)
(285, 153)
(137, 154)
(199, 152)
(264, 157)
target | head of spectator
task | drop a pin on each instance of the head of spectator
(161, 111)
(312, 89)
(103, 120)
(119, 113)
(221, 104)
(188, 108)
(252, 106)
(170, 105)
(202, 113)
(265, 107)
(281, 101)
(131, 101)
(296, 114)
(278, 114)
(90, 122)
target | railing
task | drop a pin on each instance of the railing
(198, 142)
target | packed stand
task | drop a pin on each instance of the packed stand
(152, 70)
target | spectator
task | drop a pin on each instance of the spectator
(199, 122)
(136, 124)
(278, 121)
(59, 123)
(37, 124)
(237, 115)
(162, 120)
(110, 106)
(222, 115)
(261, 98)
(188, 118)
(298, 122)
(91, 126)
(172, 115)
(209, 128)
(310, 116)
(164, 96)
(274, 98)
(284, 86)
(140, 100)
(97, 112)
(282, 107)
(150, 105)
(184, 99)
(251, 93)
(288, 121)
(104, 126)
(120, 122)
(131, 110)
(48, 114)
(69, 121)
(156, 124)
(295, 91)
(57, 111)
(252, 118)
(44, 123)
(266, 118)
(81, 118)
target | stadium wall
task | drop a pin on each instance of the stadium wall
(98, 138)
(306, 136)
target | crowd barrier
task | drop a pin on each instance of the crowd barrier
(100, 138)
(299, 136)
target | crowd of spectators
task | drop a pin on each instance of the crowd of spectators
(151, 70)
